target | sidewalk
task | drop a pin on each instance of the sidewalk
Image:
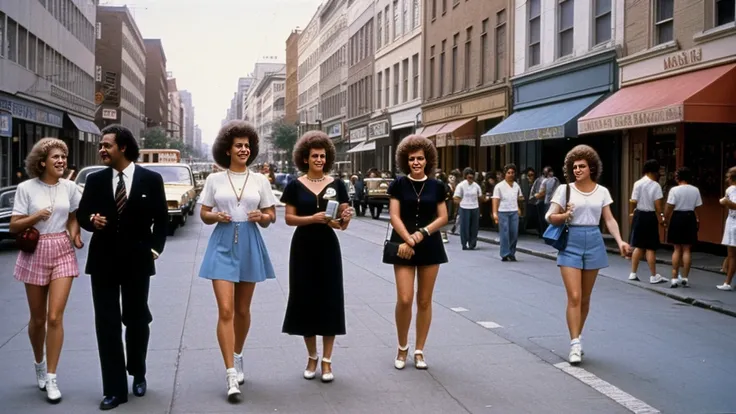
(704, 275)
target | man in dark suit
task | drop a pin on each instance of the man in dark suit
(120, 204)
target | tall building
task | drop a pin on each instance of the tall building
(176, 116)
(333, 72)
(268, 66)
(268, 101)
(308, 73)
(244, 85)
(292, 79)
(361, 52)
(121, 58)
(197, 139)
(47, 80)
(157, 99)
(188, 117)
(398, 68)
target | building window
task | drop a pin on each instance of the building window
(453, 71)
(430, 92)
(386, 32)
(501, 45)
(2, 34)
(725, 11)
(380, 29)
(379, 101)
(444, 6)
(415, 15)
(434, 9)
(40, 58)
(22, 46)
(602, 21)
(12, 40)
(387, 85)
(565, 23)
(535, 22)
(32, 53)
(415, 76)
(396, 19)
(405, 16)
(466, 66)
(442, 69)
(405, 80)
(396, 84)
(664, 21)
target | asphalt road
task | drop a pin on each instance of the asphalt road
(497, 345)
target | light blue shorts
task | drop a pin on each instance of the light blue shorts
(585, 249)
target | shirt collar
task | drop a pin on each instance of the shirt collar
(128, 171)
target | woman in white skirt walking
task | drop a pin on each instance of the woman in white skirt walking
(48, 204)
(729, 233)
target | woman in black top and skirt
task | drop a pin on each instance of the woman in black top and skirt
(418, 211)
(316, 304)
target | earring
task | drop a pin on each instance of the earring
(43, 164)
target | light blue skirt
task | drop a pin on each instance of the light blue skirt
(243, 261)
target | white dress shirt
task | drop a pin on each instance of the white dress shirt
(127, 179)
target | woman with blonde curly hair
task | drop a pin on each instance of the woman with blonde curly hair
(418, 212)
(316, 305)
(581, 203)
(47, 203)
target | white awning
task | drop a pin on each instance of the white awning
(363, 146)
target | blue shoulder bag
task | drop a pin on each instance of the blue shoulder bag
(556, 235)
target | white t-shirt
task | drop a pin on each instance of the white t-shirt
(509, 196)
(218, 193)
(34, 195)
(731, 195)
(684, 197)
(468, 194)
(588, 207)
(646, 191)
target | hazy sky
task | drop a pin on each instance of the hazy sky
(209, 44)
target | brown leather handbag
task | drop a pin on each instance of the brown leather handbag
(27, 240)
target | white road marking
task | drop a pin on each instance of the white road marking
(489, 324)
(458, 309)
(624, 399)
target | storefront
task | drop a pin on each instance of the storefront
(29, 123)
(379, 134)
(361, 153)
(678, 108)
(455, 127)
(81, 136)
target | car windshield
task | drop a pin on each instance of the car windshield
(6, 199)
(82, 176)
(173, 174)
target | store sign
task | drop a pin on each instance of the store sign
(334, 130)
(523, 136)
(668, 115)
(665, 130)
(468, 108)
(31, 112)
(110, 114)
(358, 134)
(682, 59)
(6, 125)
(378, 130)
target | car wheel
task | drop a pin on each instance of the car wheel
(172, 228)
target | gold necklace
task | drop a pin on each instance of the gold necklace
(419, 194)
(238, 196)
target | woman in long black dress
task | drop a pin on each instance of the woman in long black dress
(418, 212)
(316, 304)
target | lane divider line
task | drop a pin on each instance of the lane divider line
(459, 309)
(489, 324)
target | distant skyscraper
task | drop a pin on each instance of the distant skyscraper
(188, 121)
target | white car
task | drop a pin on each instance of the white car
(278, 194)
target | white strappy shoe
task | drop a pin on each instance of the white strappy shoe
(327, 376)
(401, 363)
(419, 363)
(311, 374)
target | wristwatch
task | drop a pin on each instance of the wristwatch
(424, 231)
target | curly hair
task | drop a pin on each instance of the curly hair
(414, 143)
(309, 141)
(510, 166)
(40, 152)
(124, 139)
(226, 136)
(588, 154)
(731, 174)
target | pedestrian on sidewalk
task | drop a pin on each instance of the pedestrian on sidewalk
(47, 203)
(466, 197)
(681, 214)
(236, 257)
(526, 182)
(506, 212)
(535, 205)
(316, 304)
(418, 211)
(546, 191)
(124, 206)
(729, 232)
(585, 254)
(647, 214)
(376, 209)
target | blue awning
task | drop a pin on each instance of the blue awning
(84, 125)
(558, 120)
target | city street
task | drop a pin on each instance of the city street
(498, 342)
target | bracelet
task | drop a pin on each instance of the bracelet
(424, 231)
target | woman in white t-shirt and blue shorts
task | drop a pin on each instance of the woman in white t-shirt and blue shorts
(585, 253)
(681, 214)
(47, 203)
(729, 232)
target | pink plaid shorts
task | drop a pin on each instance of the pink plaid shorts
(54, 258)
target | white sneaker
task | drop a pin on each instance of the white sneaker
(674, 283)
(233, 388)
(41, 374)
(656, 279)
(238, 359)
(683, 282)
(576, 354)
(724, 286)
(53, 395)
(633, 276)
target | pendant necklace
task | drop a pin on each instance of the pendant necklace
(238, 197)
(316, 180)
(419, 194)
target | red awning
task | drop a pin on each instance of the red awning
(707, 95)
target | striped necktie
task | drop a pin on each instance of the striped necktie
(121, 198)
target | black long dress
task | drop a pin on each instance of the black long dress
(316, 303)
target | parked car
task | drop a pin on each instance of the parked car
(181, 193)
(376, 191)
(84, 173)
(7, 196)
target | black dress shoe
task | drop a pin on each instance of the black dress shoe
(505, 259)
(108, 403)
(139, 386)
(512, 258)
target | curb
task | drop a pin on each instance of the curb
(685, 299)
